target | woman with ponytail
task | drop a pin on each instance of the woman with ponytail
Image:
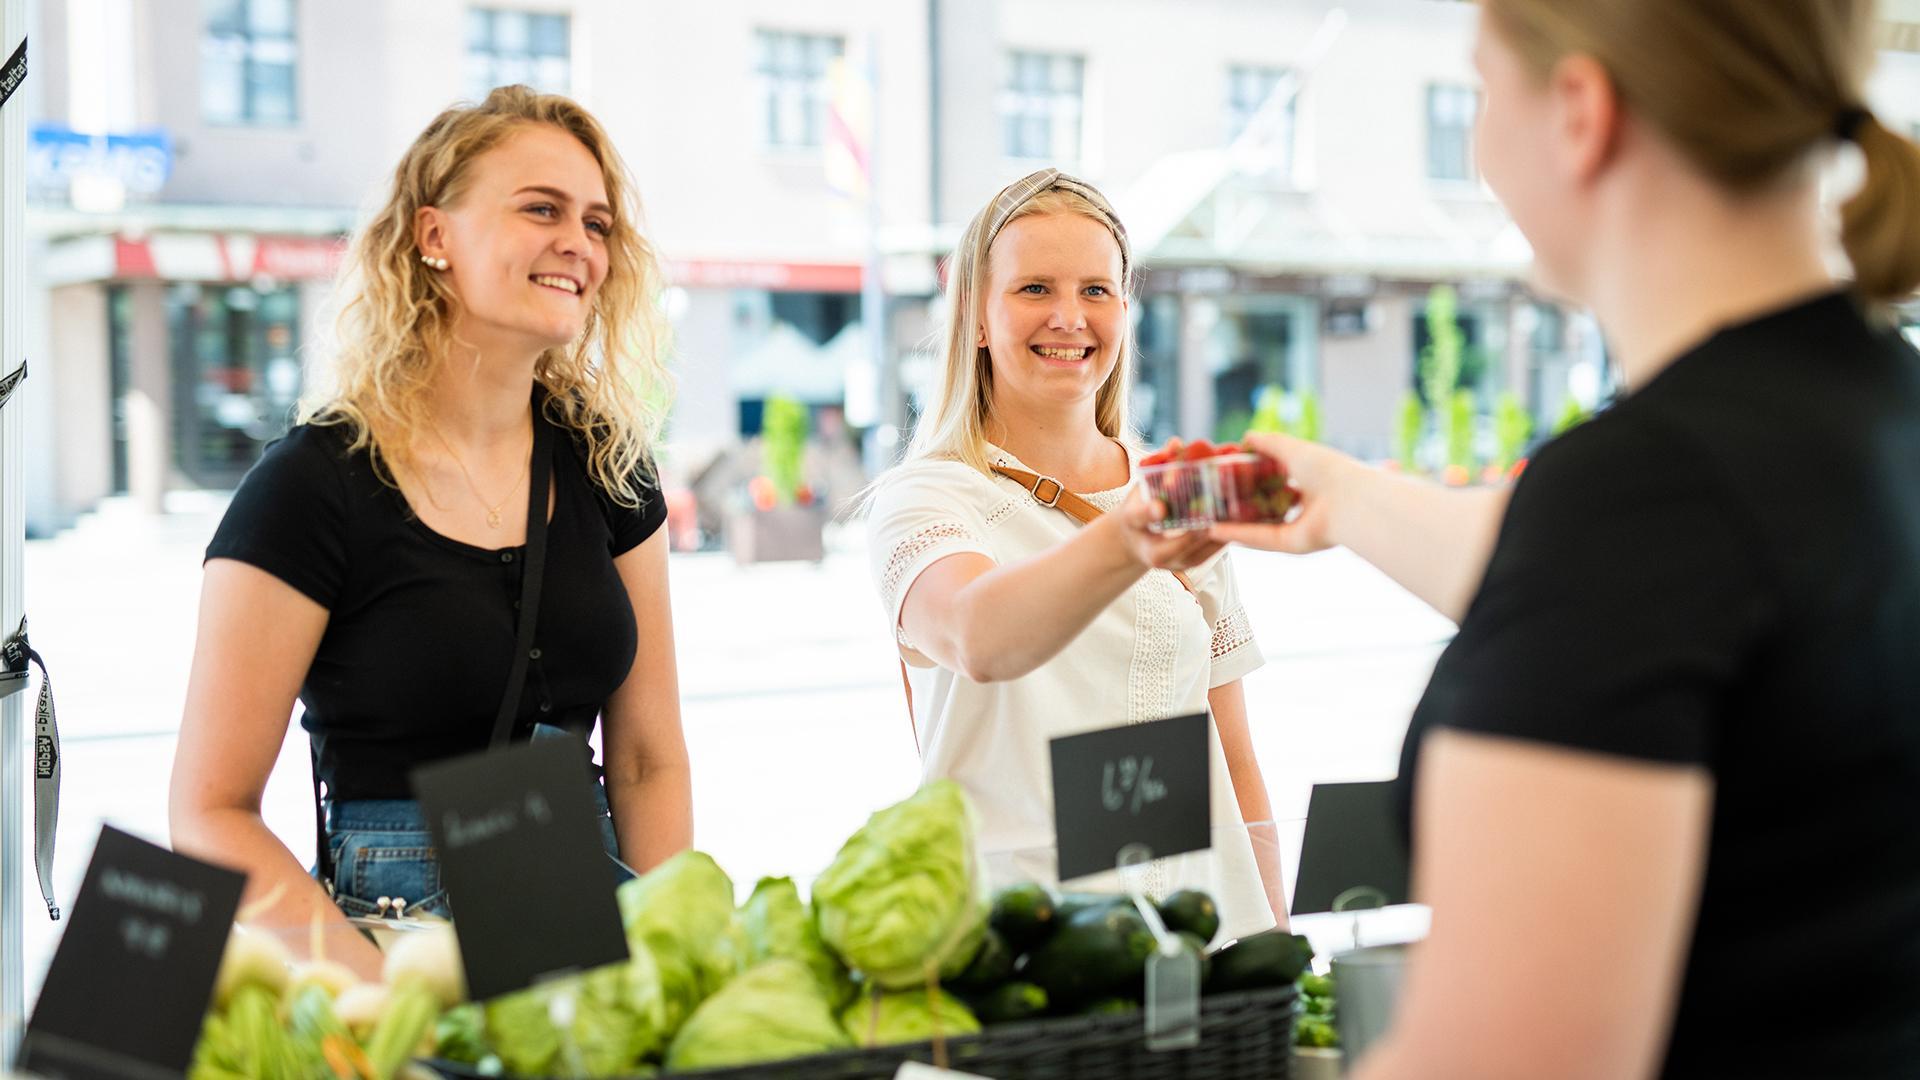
(1663, 784)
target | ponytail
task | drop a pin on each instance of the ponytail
(1880, 224)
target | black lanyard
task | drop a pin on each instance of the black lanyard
(532, 570)
(46, 756)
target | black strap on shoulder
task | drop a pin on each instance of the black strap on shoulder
(533, 567)
(532, 570)
(322, 843)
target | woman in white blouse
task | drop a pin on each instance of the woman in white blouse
(1018, 624)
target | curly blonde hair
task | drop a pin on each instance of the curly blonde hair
(610, 386)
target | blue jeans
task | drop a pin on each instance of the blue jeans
(381, 847)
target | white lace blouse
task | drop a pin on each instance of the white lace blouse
(1153, 653)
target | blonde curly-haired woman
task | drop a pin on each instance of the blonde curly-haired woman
(498, 340)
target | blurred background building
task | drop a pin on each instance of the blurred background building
(1297, 177)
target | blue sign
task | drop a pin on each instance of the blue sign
(139, 160)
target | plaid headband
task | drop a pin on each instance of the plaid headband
(1027, 188)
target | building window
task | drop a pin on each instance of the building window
(794, 88)
(1248, 91)
(1041, 106)
(505, 48)
(236, 375)
(248, 63)
(1248, 88)
(1450, 114)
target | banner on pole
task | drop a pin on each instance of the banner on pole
(14, 73)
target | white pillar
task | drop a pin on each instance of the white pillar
(13, 339)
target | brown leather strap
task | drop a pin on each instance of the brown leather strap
(907, 685)
(1050, 492)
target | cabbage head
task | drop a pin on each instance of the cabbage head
(618, 1021)
(773, 1012)
(904, 893)
(682, 912)
(775, 923)
(907, 1016)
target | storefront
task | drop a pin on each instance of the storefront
(179, 358)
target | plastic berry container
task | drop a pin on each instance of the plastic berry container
(1249, 488)
(1232, 487)
(1181, 487)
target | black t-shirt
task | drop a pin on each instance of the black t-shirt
(1724, 570)
(421, 627)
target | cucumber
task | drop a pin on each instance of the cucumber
(1110, 1006)
(1100, 953)
(1024, 915)
(991, 966)
(1009, 1002)
(1193, 911)
(1073, 904)
(1273, 958)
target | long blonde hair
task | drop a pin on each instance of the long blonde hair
(1747, 91)
(394, 329)
(954, 423)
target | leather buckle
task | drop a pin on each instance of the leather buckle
(1041, 499)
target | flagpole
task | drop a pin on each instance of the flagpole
(882, 444)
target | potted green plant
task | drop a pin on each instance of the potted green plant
(782, 521)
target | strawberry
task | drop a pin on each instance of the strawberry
(1197, 450)
(1227, 448)
(1158, 457)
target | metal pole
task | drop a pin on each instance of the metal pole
(14, 752)
(881, 448)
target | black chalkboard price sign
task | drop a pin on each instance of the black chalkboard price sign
(131, 977)
(1135, 784)
(531, 887)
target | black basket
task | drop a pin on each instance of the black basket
(1246, 1034)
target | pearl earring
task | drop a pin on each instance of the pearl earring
(437, 264)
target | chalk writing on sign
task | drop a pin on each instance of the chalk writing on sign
(463, 830)
(1129, 784)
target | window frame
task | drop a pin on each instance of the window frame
(529, 57)
(1044, 107)
(1457, 92)
(793, 73)
(243, 45)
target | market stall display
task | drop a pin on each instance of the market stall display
(897, 955)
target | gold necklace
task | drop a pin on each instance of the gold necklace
(493, 512)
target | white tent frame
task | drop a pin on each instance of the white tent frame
(14, 749)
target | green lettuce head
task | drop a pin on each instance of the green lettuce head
(682, 912)
(908, 1016)
(903, 895)
(776, 924)
(618, 1021)
(773, 1012)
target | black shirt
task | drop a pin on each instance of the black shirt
(1724, 570)
(420, 627)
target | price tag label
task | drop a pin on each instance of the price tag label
(1142, 784)
(914, 1070)
(530, 884)
(131, 977)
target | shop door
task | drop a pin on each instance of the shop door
(236, 376)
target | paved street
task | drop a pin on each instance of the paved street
(791, 695)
